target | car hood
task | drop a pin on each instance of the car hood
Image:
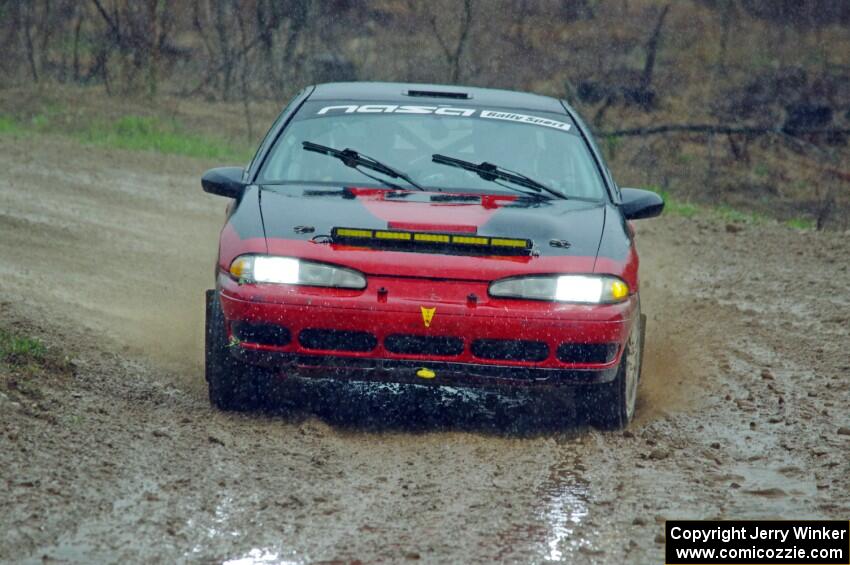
(565, 233)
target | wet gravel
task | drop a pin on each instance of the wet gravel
(105, 254)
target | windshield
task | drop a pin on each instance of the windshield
(543, 146)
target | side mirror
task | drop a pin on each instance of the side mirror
(638, 203)
(224, 181)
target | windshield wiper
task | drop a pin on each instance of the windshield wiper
(353, 159)
(491, 172)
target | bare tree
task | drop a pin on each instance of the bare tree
(135, 32)
(279, 27)
(454, 52)
(213, 22)
(727, 12)
(78, 25)
(652, 49)
(45, 27)
(226, 50)
(157, 16)
(25, 22)
(243, 75)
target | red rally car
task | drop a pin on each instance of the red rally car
(428, 234)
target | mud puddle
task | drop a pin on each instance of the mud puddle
(740, 408)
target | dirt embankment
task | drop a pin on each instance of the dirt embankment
(113, 453)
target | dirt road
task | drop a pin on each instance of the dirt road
(105, 255)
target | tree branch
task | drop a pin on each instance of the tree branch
(718, 129)
(442, 42)
(466, 22)
(113, 26)
(652, 48)
(222, 66)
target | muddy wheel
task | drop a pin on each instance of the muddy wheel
(611, 406)
(232, 385)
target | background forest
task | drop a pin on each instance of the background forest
(742, 106)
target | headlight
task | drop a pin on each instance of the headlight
(287, 270)
(584, 289)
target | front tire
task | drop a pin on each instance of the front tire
(611, 406)
(232, 385)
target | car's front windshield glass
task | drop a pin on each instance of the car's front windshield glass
(541, 145)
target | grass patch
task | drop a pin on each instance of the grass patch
(726, 213)
(800, 223)
(685, 158)
(677, 208)
(138, 133)
(9, 126)
(611, 145)
(134, 133)
(734, 215)
(761, 170)
(18, 349)
(674, 206)
(26, 364)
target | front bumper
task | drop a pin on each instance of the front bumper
(406, 371)
(398, 311)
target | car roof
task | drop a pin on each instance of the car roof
(398, 92)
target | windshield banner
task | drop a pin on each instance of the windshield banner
(443, 111)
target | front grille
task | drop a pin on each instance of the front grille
(337, 340)
(264, 334)
(510, 349)
(587, 352)
(424, 344)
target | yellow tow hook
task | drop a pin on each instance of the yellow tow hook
(425, 373)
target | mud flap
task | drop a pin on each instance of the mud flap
(209, 296)
(642, 344)
(232, 385)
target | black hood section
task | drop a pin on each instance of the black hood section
(305, 213)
